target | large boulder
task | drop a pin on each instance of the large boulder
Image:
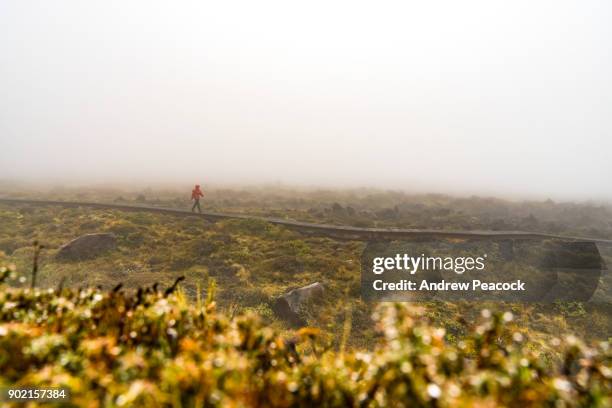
(288, 306)
(87, 246)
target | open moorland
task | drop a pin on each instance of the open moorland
(252, 262)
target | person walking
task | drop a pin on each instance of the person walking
(196, 193)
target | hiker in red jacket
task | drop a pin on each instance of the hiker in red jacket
(196, 193)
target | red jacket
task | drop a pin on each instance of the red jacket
(196, 193)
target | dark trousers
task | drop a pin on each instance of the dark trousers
(196, 204)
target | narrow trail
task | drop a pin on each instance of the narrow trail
(327, 230)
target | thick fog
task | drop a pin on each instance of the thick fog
(491, 97)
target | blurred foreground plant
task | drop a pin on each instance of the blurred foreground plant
(155, 348)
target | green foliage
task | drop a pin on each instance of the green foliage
(571, 309)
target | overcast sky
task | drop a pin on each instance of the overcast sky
(492, 97)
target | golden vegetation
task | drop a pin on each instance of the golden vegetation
(159, 349)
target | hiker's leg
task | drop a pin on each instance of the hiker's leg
(194, 206)
(199, 208)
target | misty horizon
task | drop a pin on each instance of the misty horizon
(486, 98)
(182, 187)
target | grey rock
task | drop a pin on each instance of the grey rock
(87, 246)
(288, 306)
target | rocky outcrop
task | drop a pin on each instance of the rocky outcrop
(288, 306)
(87, 246)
